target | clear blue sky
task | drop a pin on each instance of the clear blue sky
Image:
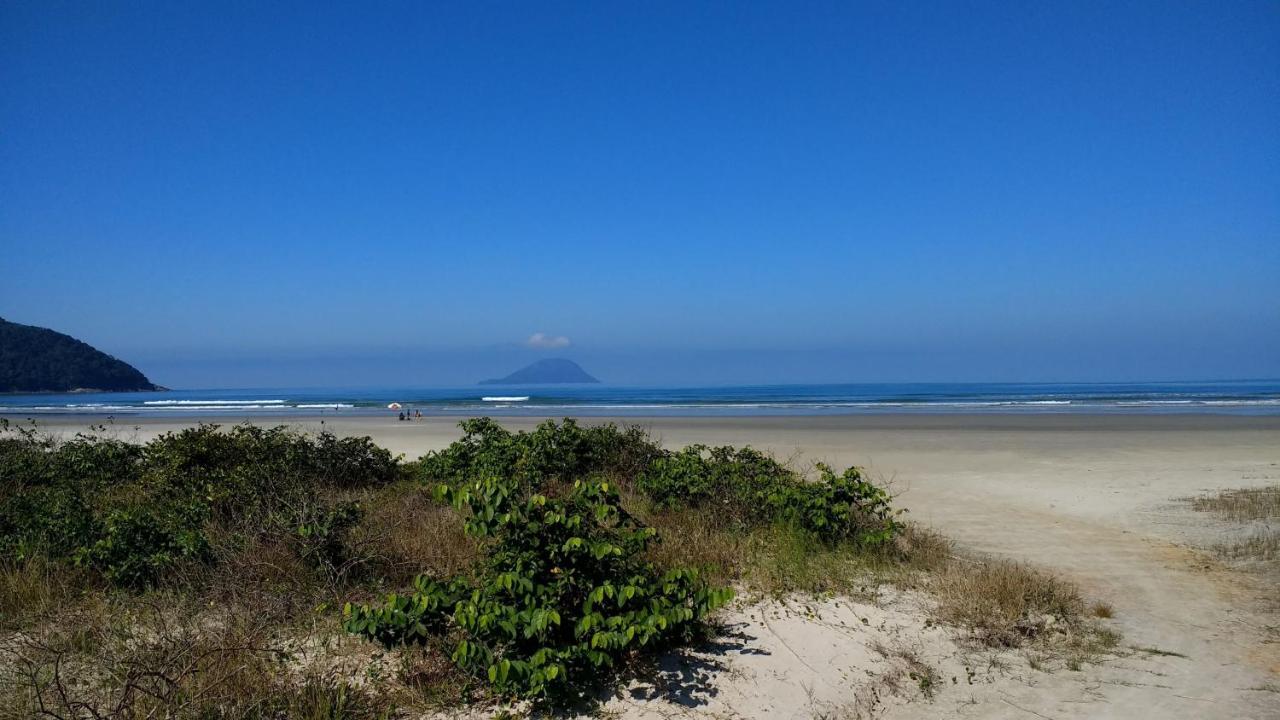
(233, 194)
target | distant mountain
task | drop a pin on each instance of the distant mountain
(36, 359)
(553, 370)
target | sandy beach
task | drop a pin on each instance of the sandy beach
(1095, 498)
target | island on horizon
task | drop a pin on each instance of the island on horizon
(545, 372)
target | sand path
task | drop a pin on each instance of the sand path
(1096, 505)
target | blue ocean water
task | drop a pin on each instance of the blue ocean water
(1252, 397)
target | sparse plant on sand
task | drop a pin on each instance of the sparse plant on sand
(1255, 540)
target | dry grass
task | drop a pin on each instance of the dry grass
(1262, 546)
(227, 641)
(999, 603)
(904, 665)
(31, 588)
(166, 655)
(1241, 505)
(125, 658)
(223, 639)
(405, 532)
(1257, 510)
(1101, 610)
(777, 560)
(1005, 603)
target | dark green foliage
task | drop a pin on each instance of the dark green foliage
(46, 489)
(837, 507)
(249, 468)
(406, 619)
(737, 481)
(747, 487)
(566, 450)
(36, 359)
(321, 534)
(564, 595)
(137, 545)
(134, 512)
(742, 486)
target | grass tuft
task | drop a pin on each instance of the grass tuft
(1101, 609)
(1006, 603)
(1262, 546)
(1257, 512)
(1241, 505)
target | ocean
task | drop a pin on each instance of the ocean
(1252, 397)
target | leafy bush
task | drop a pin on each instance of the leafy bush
(52, 519)
(138, 545)
(321, 534)
(47, 488)
(743, 486)
(748, 487)
(132, 512)
(837, 507)
(563, 596)
(249, 469)
(734, 480)
(565, 450)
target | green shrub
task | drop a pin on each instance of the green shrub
(747, 487)
(735, 480)
(742, 486)
(138, 545)
(132, 512)
(253, 469)
(564, 595)
(837, 507)
(48, 489)
(321, 534)
(564, 450)
(53, 520)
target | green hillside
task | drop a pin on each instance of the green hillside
(35, 359)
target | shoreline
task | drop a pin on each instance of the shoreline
(868, 421)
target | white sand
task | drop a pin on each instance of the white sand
(1091, 497)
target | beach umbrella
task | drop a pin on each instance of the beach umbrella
(394, 406)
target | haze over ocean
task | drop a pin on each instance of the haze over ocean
(267, 195)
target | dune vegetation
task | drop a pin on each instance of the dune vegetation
(251, 572)
(1254, 515)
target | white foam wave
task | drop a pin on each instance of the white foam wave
(335, 406)
(1273, 401)
(503, 398)
(215, 408)
(213, 402)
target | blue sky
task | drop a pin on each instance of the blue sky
(232, 194)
